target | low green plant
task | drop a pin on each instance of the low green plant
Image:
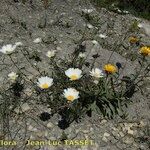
(137, 7)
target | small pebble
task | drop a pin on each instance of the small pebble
(106, 134)
(50, 125)
(25, 107)
(90, 26)
(103, 121)
(37, 40)
(128, 140)
(102, 36)
(105, 139)
(95, 42)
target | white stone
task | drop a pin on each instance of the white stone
(95, 42)
(105, 139)
(140, 25)
(17, 110)
(128, 140)
(103, 121)
(87, 11)
(115, 129)
(82, 55)
(46, 134)
(91, 129)
(50, 125)
(106, 134)
(40, 134)
(58, 48)
(28, 91)
(32, 137)
(121, 134)
(96, 81)
(18, 43)
(103, 36)
(51, 21)
(115, 133)
(51, 53)
(37, 40)
(90, 26)
(85, 131)
(60, 35)
(130, 131)
(146, 27)
(142, 124)
(30, 127)
(25, 107)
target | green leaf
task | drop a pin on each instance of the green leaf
(95, 108)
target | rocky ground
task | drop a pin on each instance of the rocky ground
(61, 27)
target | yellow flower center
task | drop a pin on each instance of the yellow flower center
(45, 86)
(145, 50)
(70, 98)
(74, 77)
(110, 68)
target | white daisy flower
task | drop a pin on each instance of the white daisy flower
(73, 73)
(97, 73)
(37, 40)
(12, 76)
(51, 54)
(8, 49)
(71, 94)
(45, 82)
(82, 55)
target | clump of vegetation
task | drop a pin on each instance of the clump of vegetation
(69, 90)
(137, 7)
